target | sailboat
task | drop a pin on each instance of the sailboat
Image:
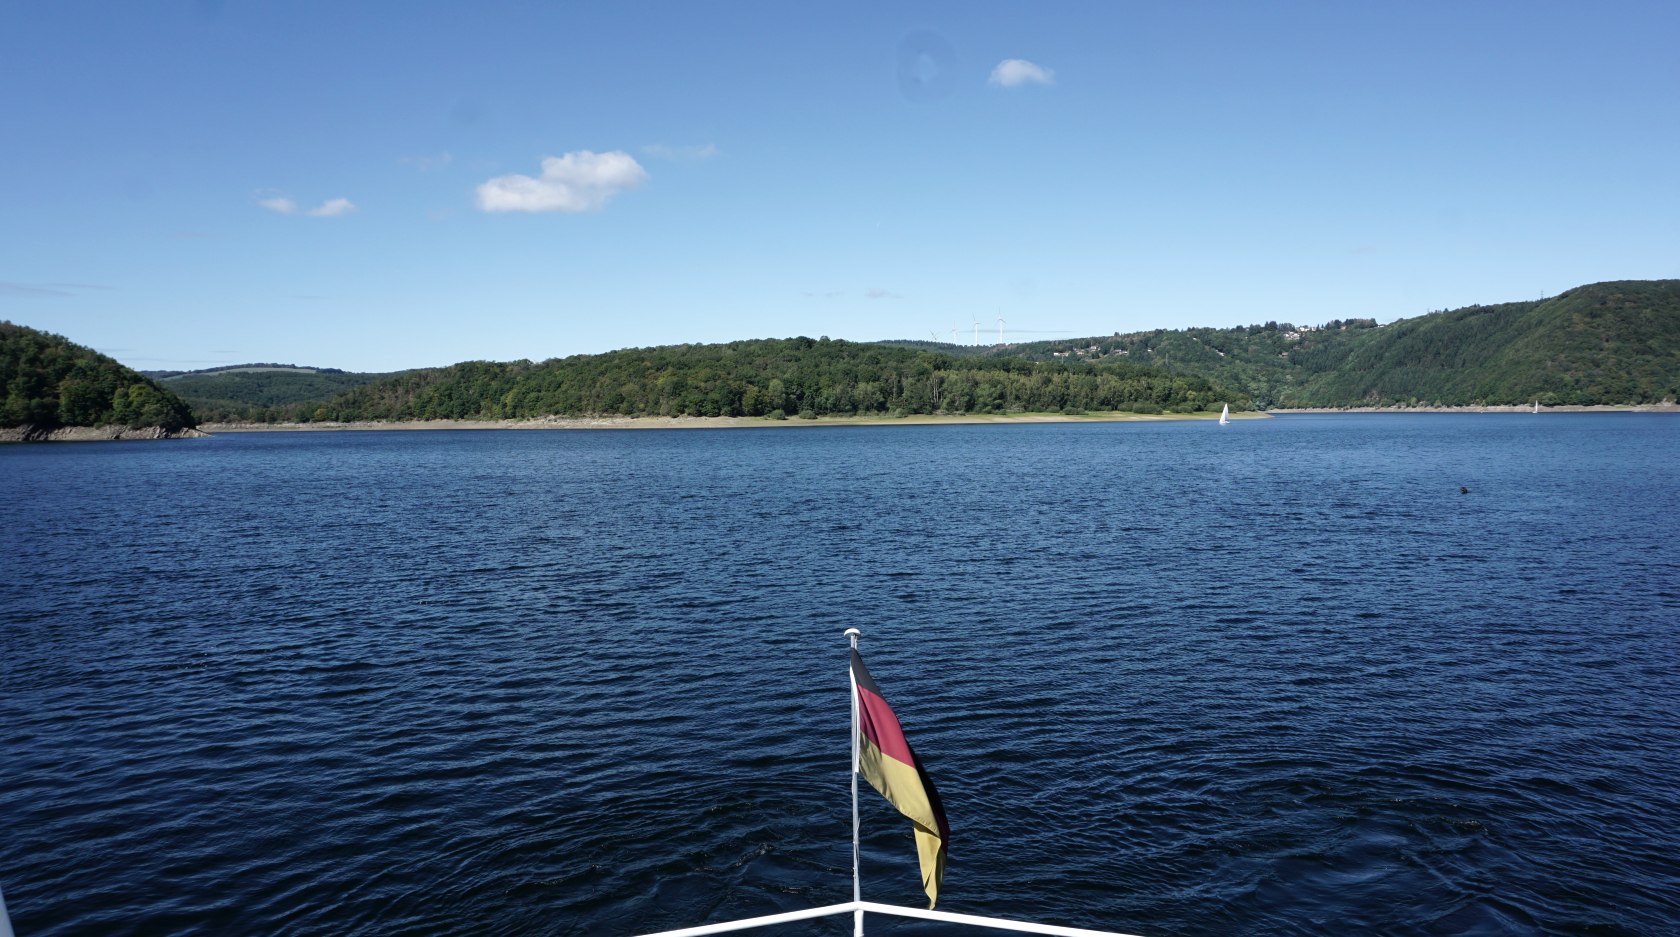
(1536, 406)
(1225, 415)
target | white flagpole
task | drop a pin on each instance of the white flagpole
(857, 892)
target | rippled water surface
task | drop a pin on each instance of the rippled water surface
(1276, 678)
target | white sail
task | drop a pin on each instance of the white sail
(1536, 406)
(1225, 415)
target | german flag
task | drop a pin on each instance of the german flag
(887, 763)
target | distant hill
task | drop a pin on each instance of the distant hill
(254, 391)
(220, 369)
(1605, 343)
(51, 382)
(777, 378)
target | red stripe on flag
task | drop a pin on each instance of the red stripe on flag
(879, 725)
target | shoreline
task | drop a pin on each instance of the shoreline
(30, 434)
(970, 419)
(1496, 408)
(109, 433)
(714, 422)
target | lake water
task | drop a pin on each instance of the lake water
(1280, 677)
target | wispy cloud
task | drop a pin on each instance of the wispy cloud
(1013, 73)
(830, 294)
(580, 181)
(430, 163)
(285, 205)
(878, 293)
(30, 289)
(661, 151)
(39, 290)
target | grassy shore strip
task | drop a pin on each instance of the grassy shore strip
(1664, 407)
(716, 422)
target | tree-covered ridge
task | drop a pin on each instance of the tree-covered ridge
(251, 366)
(766, 377)
(249, 392)
(51, 382)
(1605, 343)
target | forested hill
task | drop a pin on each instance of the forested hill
(1606, 343)
(775, 378)
(251, 391)
(51, 382)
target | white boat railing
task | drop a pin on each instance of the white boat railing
(857, 908)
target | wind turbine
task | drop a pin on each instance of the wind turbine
(1000, 330)
(977, 333)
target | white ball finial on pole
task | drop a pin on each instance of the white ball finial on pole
(854, 634)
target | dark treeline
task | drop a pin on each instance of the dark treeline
(51, 382)
(775, 378)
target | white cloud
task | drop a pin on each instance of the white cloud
(661, 151)
(580, 181)
(878, 293)
(333, 207)
(1013, 73)
(286, 205)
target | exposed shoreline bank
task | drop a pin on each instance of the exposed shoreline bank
(715, 422)
(93, 433)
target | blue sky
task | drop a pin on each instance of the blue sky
(375, 186)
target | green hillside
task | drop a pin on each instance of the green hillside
(767, 377)
(1606, 343)
(249, 392)
(51, 382)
